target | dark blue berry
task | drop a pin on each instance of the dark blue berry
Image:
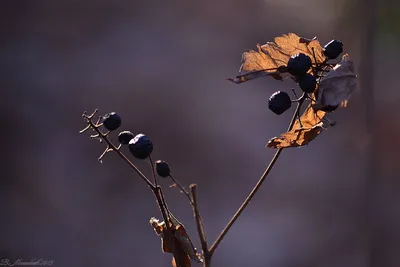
(307, 83)
(124, 137)
(329, 108)
(279, 102)
(162, 168)
(333, 49)
(111, 121)
(299, 64)
(141, 146)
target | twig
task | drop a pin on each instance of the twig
(153, 171)
(155, 188)
(199, 220)
(200, 226)
(113, 147)
(182, 189)
(164, 203)
(257, 186)
(161, 204)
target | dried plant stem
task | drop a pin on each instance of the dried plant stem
(257, 186)
(199, 222)
(181, 188)
(116, 150)
(153, 171)
(161, 204)
(155, 188)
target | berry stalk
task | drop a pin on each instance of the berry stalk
(258, 185)
(114, 148)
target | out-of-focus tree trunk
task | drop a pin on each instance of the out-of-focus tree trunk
(368, 32)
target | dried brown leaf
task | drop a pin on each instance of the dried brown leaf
(176, 241)
(295, 138)
(334, 90)
(184, 262)
(336, 87)
(186, 243)
(272, 57)
(301, 133)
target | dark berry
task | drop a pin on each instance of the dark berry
(140, 146)
(162, 168)
(124, 137)
(333, 49)
(111, 121)
(299, 64)
(307, 83)
(279, 102)
(329, 108)
(326, 108)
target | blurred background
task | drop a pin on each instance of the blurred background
(162, 66)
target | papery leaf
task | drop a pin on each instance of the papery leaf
(301, 133)
(336, 87)
(175, 240)
(186, 244)
(272, 57)
(295, 138)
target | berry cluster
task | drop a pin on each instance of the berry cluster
(140, 146)
(299, 66)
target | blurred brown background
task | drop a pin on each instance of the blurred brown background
(162, 66)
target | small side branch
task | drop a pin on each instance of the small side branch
(258, 185)
(111, 146)
(153, 171)
(161, 204)
(182, 189)
(199, 223)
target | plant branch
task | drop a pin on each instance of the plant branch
(199, 222)
(113, 147)
(156, 189)
(153, 171)
(182, 189)
(161, 204)
(259, 183)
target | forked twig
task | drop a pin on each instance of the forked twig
(110, 145)
(181, 188)
(156, 189)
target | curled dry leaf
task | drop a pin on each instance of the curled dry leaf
(301, 133)
(336, 87)
(175, 240)
(272, 58)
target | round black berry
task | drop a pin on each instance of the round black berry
(140, 146)
(279, 102)
(162, 168)
(111, 121)
(307, 83)
(329, 108)
(299, 64)
(333, 49)
(124, 137)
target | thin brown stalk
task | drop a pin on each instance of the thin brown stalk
(182, 189)
(258, 185)
(199, 221)
(153, 170)
(156, 189)
(116, 150)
